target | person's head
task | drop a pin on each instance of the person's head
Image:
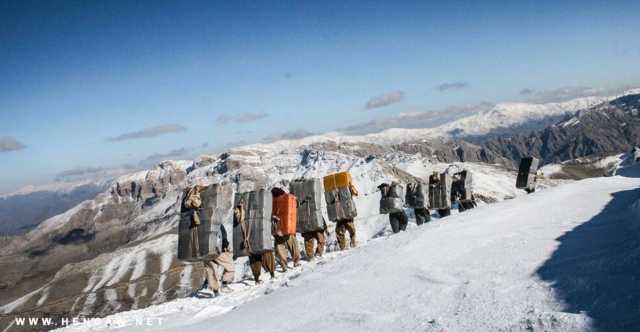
(240, 203)
(277, 191)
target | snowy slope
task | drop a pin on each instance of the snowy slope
(538, 262)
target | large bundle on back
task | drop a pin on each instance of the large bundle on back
(440, 191)
(340, 204)
(391, 198)
(252, 223)
(309, 195)
(417, 195)
(461, 186)
(285, 208)
(202, 213)
(527, 173)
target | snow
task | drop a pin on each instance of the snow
(497, 267)
(551, 169)
(610, 163)
(571, 122)
(61, 219)
(500, 116)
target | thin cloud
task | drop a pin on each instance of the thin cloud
(292, 134)
(416, 117)
(244, 117)
(526, 92)
(92, 173)
(234, 144)
(149, 132)
(385, 100)
(565, 93)
(451, 86)
(8, 144)
(80, 172)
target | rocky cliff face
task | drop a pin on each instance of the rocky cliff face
(53, 263)
(607, 129)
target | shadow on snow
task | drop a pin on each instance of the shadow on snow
(596, 267)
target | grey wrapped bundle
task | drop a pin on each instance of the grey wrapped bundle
(308, 192)
(440, 191)
(391, 198)
(527, 173)
(417, 196)
(340, 204)
(253, 234)
(204, 241)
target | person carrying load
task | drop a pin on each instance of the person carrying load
(283, 227)
(258, 259)
(417, 198)
(311, 223)
(339, 193)
(391, 203)
(223, 262)
(213, 264)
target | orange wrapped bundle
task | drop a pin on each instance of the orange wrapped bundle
(285, 207)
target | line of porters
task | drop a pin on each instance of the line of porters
(300, 210)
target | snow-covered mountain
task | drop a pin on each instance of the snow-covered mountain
(500, 117)
(116, 252)
(562, 259)
(51, 199)
(24, 209)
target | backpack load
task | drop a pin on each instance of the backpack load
(417, 196)
(527, 173)
(340, 204)
(440, 191)
(252, 223)
(202, 212)
(309, 195)
(461, 186)
(391, 198)
(285, 208)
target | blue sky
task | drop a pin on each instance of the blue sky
(171, 78)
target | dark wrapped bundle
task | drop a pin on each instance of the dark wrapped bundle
(199, 235)
(527, 173)
(440, 191)
(252, 225)
(309, 195)
(417, 195)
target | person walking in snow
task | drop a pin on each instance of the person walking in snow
(283, 243)
(347, 225)
(265, 260)
(258, 261)
(223, 262)
(391, 203)
(317, 239)
(398, 221)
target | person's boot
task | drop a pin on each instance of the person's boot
(225, 288)
(207, 292)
